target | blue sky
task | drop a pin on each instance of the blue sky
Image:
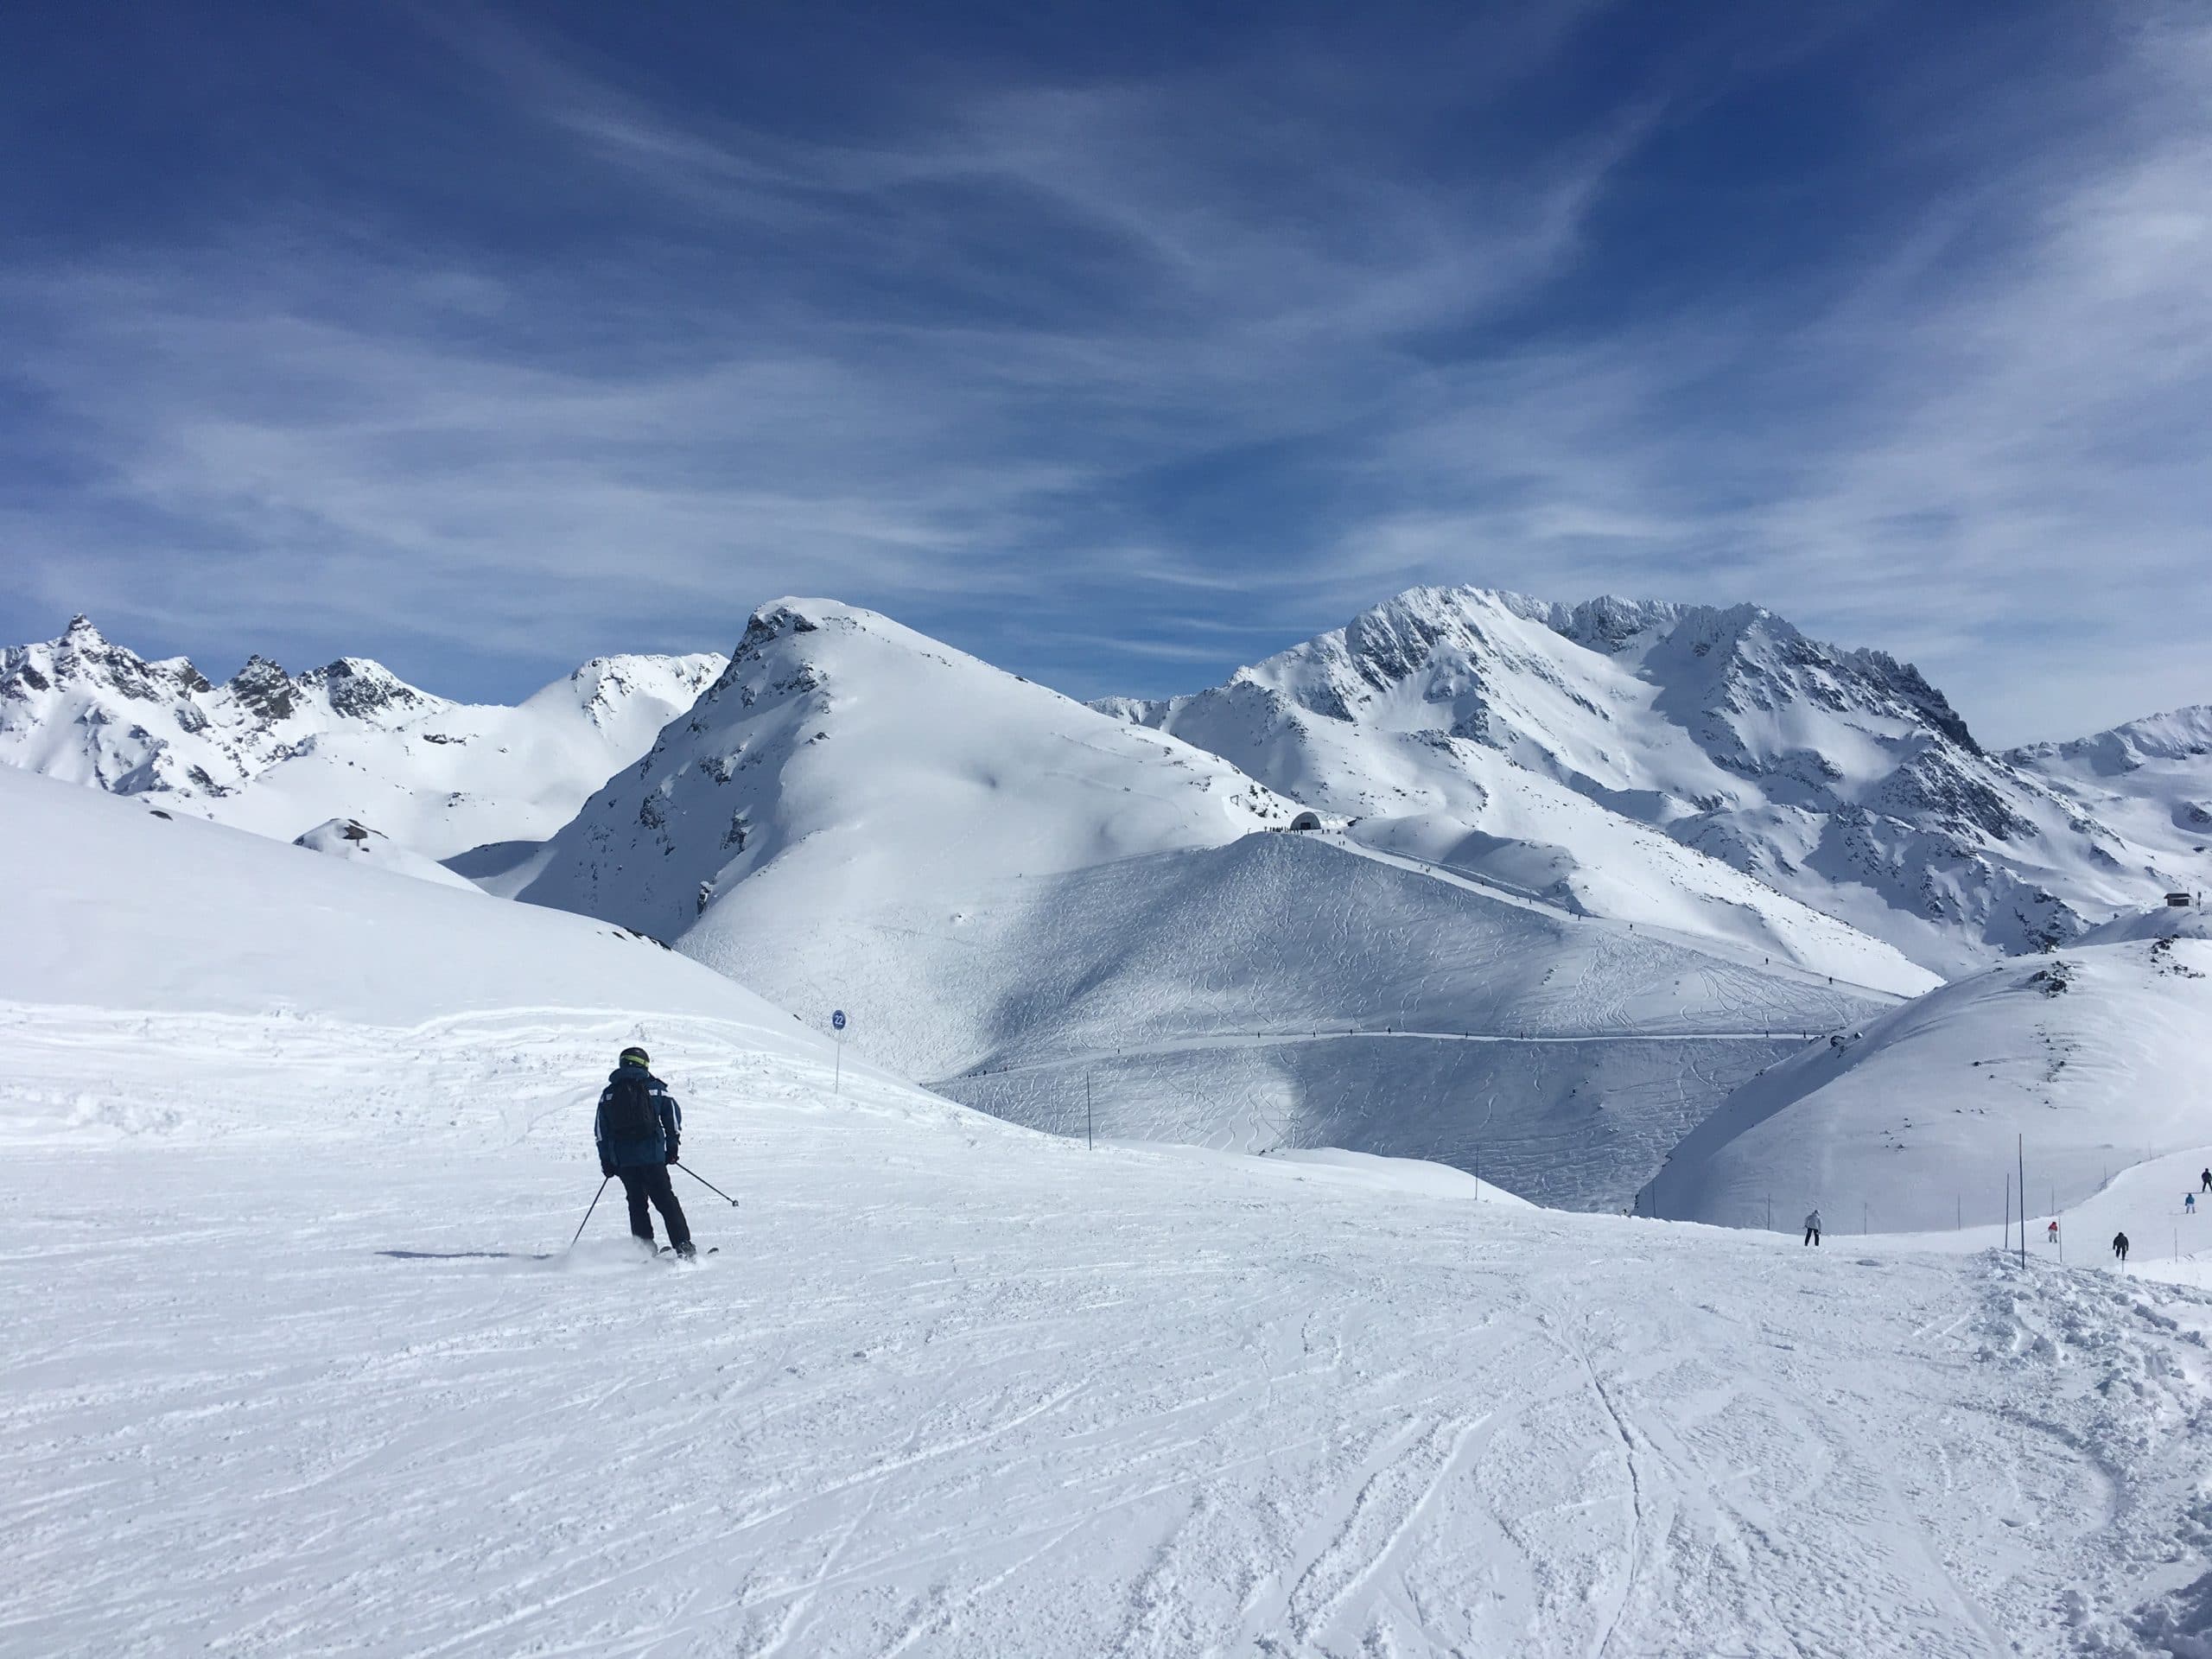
(1119, 346)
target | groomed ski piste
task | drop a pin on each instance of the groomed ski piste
(297, 1361)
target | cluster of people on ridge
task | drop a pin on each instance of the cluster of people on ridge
(2119, 1245)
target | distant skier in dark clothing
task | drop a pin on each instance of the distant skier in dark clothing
(2119, 1247)
(2206, 1179)
(1813, 1228)
(638, 1129)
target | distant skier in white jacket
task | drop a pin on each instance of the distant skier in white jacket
(1813, 1228)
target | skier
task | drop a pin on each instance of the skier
(1813, 1228)
(2189, 1204)
(2206, 1178)
(2051, 1236)
(637, 1129)
(2119, 1248)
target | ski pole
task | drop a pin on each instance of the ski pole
(708, 1185)
(586, 1222)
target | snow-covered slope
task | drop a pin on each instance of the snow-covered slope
(857, 765)
(120, 905)
(1481, 727)
(847, 789)
(357, 843)
(1286, 991)
(295, 1356)
(2096, 1056)
(1001, 886)
(277, 753)
(2163, 922)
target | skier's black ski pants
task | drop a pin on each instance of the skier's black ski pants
(644, 1181)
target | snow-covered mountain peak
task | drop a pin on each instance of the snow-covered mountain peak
(783, 619)
(83, 645)
(792, 632)
(82, 655)
(845, 761)
(606, 688)
(775, 647)
(1732, 665)
(1444, 635)
(817, 656)
(263, 689)
(355, 688)
(2150, 780)
(275, 751)
(1609, 623)
(2179, 734)
(1838, 776)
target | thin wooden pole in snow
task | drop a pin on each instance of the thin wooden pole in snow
(2020, 1152)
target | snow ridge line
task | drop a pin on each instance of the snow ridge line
(1521, 897)
(86, 1014)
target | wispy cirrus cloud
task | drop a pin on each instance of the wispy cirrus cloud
(1984, 451)
(991, 328)
(1119, 374)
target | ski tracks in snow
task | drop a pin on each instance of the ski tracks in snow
(951, 1389)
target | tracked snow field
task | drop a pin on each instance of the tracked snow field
(1576, 1122)
(285, 1373)
(1286, 990)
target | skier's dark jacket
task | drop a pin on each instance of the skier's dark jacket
(660, 1148)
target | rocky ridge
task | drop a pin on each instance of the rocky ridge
(277, 752)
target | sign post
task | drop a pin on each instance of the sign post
(838, 1025)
